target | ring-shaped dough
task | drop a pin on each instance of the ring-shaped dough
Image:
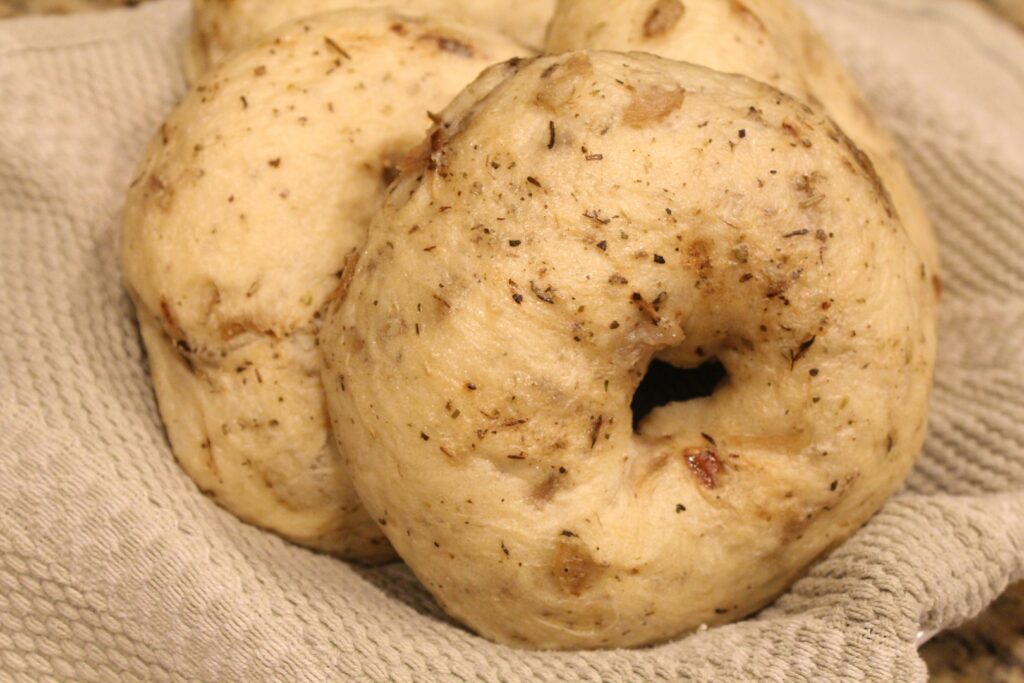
(573, 218)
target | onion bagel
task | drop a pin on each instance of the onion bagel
(570, 220)
(223, 26)
(237, 229)
(768, 40)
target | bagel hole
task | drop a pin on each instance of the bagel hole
(663, 384)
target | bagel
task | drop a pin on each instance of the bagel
(223, 26)
(768, 40)
(570, 220)
(237, 229)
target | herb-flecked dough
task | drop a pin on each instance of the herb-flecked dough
(239, 225)
(771, 41)
(220, 27)
(569, 220)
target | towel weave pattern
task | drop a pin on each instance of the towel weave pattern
(114, 567)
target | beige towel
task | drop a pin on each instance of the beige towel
(114, 567)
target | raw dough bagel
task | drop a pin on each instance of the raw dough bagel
(573, 218)
(223, 26)
(768, 40)
(237, 228)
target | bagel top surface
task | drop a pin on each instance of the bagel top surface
(237, 228)
(768, 40)
(223, 26)
(263, 179)
(571, 219)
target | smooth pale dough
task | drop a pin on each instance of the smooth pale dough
(237, 229)
(573, 218)
(768, 40)
(223, 26)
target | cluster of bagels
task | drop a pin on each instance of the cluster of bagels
(400, 266)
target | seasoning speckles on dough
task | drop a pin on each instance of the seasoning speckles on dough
(561, 292)
(230, 263)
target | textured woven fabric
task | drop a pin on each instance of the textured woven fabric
(114, 567)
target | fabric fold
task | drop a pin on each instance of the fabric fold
(114, 566)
